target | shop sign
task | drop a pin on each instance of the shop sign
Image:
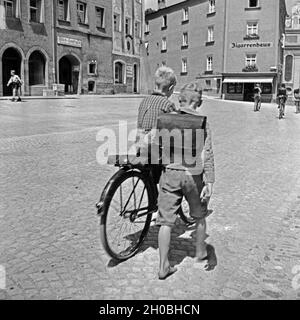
(129, 70)
(69, 42)
(239, 45)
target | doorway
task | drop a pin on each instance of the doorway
(69, 68)
(11, 60)
(248, 92)
(135, 78)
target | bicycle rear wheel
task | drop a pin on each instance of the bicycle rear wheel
(280, 111)
(128, 202)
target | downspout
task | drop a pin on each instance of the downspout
(54, 43)
(225, 35)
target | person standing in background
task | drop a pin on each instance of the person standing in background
(257, 97)
(16, 84)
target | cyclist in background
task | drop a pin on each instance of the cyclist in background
(282, 93)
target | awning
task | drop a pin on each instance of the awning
(248, 80)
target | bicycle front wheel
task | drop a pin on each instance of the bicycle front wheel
(128, 204)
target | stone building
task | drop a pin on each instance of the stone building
(70, 42)
(226, 45)
(26, 44)
(128, 20)
(291, 67)
(84, 45)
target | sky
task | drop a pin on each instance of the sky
(153, 4)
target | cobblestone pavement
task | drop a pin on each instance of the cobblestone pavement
(50, 182)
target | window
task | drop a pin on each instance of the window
(235, 88)
(147, 27)
(81, 12)
(35, 10)
(250, 59)
(164, 22)
(164, 44)
(208, 83)
(127, 26)
(92, 67)
(100, 21)
(253, 3)
(184, 65)
(210, 34)
(137, 29)
(10, 8)
(185, 39)
(288, 68)
(117, 24)
(211, 6)
(252, 28)
(63, 10)
(147, 47)
(185, 14)
(118, 72)
(209, 63)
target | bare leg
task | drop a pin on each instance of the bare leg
(14, 94)
(164, 238)
(201, 251)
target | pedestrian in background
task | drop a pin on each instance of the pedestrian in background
(16, 84)
(297, 99)
(257, 97)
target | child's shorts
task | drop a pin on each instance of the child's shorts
(173, 185)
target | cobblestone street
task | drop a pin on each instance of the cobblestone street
(50, 182)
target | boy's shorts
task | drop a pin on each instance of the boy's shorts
(173, 185)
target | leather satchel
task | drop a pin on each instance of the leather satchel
(180, 136)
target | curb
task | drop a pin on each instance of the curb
(121, 96)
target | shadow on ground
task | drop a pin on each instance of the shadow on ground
(182, 245)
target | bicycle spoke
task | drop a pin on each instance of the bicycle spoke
(130, 195)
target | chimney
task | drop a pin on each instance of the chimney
(161, 4)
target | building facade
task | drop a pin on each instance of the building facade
(84, 45)
(128, 21)
(227, 45)
(26, 44)
(73, 43)
(291, 66)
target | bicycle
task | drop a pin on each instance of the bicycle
(281, 104)
(130, 222)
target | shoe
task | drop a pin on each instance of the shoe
(13, 99)
(19, 100)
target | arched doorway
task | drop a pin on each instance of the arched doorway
(11, 60)
(69, 68)
(36, 64)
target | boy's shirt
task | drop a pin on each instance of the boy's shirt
(149, 110)
(15, 79)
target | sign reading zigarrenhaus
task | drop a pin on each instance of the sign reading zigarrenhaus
(69, 42)
(237, 45)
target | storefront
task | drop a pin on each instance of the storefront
(242, 88)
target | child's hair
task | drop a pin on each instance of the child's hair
(164, 78)
(190, 93)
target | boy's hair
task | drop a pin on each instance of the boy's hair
(191, 92)
(164, 78)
